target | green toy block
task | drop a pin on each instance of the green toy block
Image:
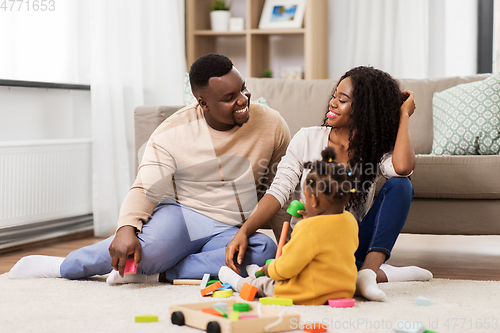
(275, 301)
(146, 319)
(295, 205)
(241, 307)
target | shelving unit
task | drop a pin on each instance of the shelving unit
(201, 40)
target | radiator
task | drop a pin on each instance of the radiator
(42, 182)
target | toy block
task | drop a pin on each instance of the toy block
(268, 261)
(235, 315)
(221, 306)
(248, 317)
(275, 301)
(405, 326)
(259, 273)
(248, 292)
(225, 286)
(130, 267)
(214, 312)
(315, 328)
(210, 288)
(241, 307)
(423, 301)
(222, 293)
(211, 282)
(430, 332)
(342, 302)
(204, 281)
(146, 319)
(281, 243)
(187, 282)
(295, 205)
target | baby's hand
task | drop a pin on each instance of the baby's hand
(302, 213)
(264, 270)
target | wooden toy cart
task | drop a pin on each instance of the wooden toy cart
(191, 315)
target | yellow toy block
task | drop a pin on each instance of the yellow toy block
(223, 293)
(276, 301)
(235, 315)
(146, 319)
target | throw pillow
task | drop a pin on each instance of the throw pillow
(467, 118)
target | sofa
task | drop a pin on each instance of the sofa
(456, 195)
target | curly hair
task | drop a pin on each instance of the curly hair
(207, 66)
(335, 180)
(374, 122)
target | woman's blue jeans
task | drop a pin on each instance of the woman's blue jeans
(382, 224)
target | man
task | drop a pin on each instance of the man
(200, 177)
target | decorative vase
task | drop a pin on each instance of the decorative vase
(220, 20)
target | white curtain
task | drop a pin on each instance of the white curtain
(408, 39)
(137, 58)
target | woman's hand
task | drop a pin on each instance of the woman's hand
(124, 244)
(408, 106)
(238, 245)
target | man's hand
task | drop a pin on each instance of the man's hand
(124, 244)
(238, 244)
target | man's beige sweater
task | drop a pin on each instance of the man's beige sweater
(220, 174)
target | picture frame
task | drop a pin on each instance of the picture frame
(282, 14)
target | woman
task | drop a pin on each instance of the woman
(367, 125)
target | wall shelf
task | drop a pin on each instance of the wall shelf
(201, 40)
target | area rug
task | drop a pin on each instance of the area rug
(58, 305)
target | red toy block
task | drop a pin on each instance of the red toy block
(211, 288)
(248, 292)
(315, 328)
(130, 267)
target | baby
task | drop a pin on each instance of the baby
(318, 262)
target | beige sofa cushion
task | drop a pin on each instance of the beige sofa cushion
(302, 103)
(457, 177)
(146, 120)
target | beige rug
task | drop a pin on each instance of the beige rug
(58, 305)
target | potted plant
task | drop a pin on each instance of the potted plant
(219, 16)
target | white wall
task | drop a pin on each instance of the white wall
(43, 114)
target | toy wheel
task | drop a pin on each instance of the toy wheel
(178, 318)
(213, 327)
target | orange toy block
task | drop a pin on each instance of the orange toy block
(248, 292)
(315, 328)
(212, 311)
(211, 288)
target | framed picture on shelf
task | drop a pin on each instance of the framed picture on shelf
(282, 14)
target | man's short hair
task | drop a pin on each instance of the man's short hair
(207, 66)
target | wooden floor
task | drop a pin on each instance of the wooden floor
(60, 248)
(453, 257)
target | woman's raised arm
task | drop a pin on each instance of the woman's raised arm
(403, 157)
